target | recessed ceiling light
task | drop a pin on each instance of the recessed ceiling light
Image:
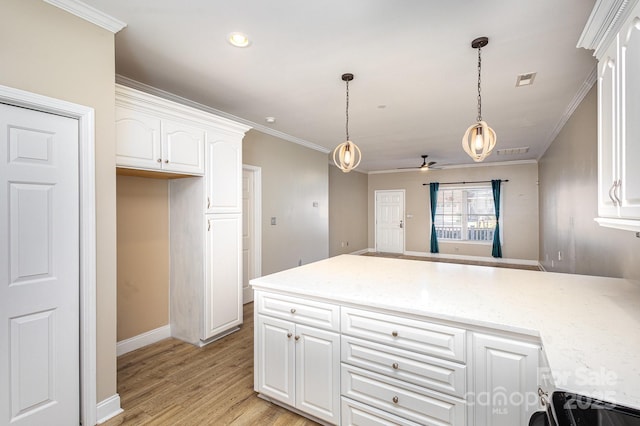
(238, 39)
(525, 79)
(270, 120)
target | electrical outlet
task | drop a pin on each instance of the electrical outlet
(315, 204)
(342, 244)
(559, 256)
(300, 262)
(273, 220)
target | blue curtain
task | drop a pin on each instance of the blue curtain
(433, 193)
(497, 248)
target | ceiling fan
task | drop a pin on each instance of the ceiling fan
(424, 166)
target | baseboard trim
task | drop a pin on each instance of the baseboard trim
(363, 251)
(523, 262)
(108, 408)
(142, 340)
(542, 268)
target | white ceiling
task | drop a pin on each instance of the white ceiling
(412, 56)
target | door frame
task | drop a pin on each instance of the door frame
(257, 217)
(87, 274)
(375, 217)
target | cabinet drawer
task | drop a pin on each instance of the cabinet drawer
(401, 399)
(405, 333)
(357, 414)
(301, 311)
(422, 370)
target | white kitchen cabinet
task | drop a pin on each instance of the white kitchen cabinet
(618, 111)
(506, 378)
(224, 174)
(299, 366)
(158, 135)
(223, 275)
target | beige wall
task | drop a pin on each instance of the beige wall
(569, 202)
(48, 51)
(143, 255)
(293, 178)
(519, 208)
(347, 211)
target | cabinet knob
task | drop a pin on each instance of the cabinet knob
(297, 338)
(159, 160)
(293, 310)
(394, 333)
(395, 399)
(395, 366)
(166, 161)
(289, 335)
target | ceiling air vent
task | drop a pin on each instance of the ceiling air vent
(513, 151)
(525, 79)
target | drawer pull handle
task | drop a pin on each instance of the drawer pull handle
(395, 399)
(394, 333)
(293, 311)
(289, 335)
(297, 338)
(395, 366)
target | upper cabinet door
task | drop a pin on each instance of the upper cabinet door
(629, 174)
(607, 132)
(182, 148)
(137, 140)
(224, 174)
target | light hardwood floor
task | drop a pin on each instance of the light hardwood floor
(175, 383)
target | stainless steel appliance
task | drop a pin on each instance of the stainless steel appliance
(570, 409)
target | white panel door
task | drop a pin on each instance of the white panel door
(182, 148)
(39, 268)
(137, 140)
(248, 231)
(506, 377)
(275, 359)
(224, 175)
(223, 286)
(629, 191)
(318, 373)
(389, 211)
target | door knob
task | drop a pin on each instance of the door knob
(401, 224)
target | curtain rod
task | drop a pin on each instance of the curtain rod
(464, 183)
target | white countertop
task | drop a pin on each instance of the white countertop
(589, 326)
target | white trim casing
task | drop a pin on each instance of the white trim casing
(142, 340)
(89, 13)
(86, 139)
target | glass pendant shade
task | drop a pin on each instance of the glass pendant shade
(478, 141)
(347, 156)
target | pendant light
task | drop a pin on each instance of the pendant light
(479, 139)
(347, 155)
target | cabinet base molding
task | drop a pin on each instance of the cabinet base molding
(293, 409)
(202, 343)
(624, 224)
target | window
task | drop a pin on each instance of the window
(465, 214)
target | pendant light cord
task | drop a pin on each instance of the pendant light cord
(479, 118)
(347, 125)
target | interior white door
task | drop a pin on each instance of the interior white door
(390, 221)
(39, 265)
(248, 231)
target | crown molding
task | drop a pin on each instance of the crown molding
(458, 166)
(604, 23)
(134, 84)
(571, 108)
(89, 13)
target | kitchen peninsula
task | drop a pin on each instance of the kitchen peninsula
(355, 338)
